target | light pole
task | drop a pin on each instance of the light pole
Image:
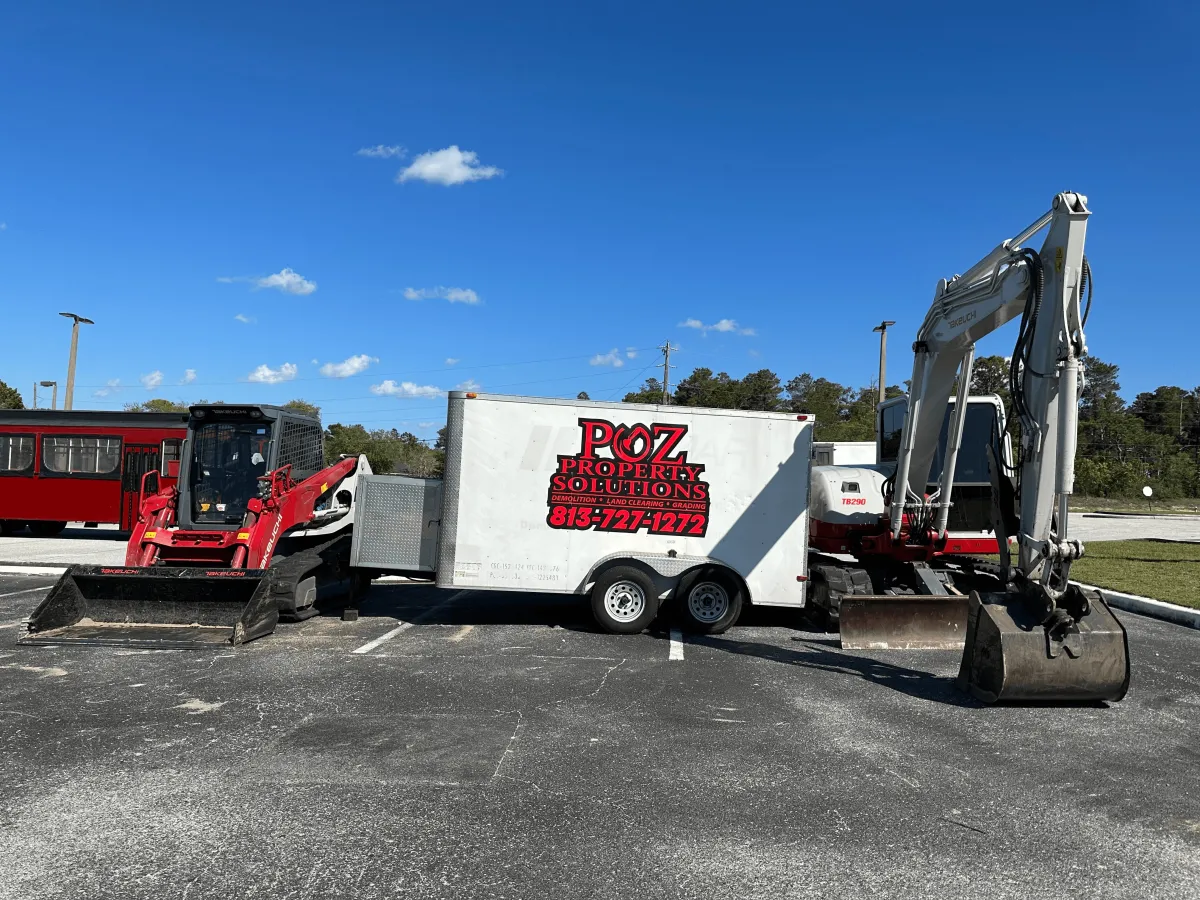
(53, 396)
(882, 328)
(69, 400)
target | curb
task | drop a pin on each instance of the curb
(1145, 606)
(1105, 514)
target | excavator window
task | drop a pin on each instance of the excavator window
(228, 458)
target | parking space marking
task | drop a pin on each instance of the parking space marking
(404, 626)
(26, 591)
(383, 638)
(676, 644)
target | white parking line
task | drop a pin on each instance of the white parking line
(404, 626)
(371, 645)
(676, 644)
(29, 591)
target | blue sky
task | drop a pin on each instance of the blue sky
(591, 176)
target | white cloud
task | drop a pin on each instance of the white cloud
(189, 375)
(390, 388)
(452, 294)
(110, 387)
(245, 319)
(380, 151)
(264, 374)
(452, 360)
(727, 326)
(152, 381)
(351, 366)
(469, 385)
(611, 358)
(288, 281)
(449, 166)
(426, 424)
(631, 352)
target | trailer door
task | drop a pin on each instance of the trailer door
(139, 459)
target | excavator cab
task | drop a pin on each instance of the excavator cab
(195, 573)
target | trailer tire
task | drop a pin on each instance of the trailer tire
(10, 527)
(710, 602)
(47, 529)
(624, 600)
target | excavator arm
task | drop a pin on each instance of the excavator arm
(1038, 636)
(1044, 289)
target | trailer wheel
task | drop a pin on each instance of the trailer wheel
(47, 529)
(10, 526)
(624, 600)
(711, 602)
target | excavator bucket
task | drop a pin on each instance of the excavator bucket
(1010, 656)
(157, 607)
(903, 622)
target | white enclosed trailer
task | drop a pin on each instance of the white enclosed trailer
(844, 453)
(630, 504)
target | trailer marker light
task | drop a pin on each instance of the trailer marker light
(802, 578)
(801, 418)
(471, 395)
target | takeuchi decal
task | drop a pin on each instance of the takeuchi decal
(629, 478)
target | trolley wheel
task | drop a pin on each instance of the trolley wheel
(711, 602)
(624, 600)
(47, 529)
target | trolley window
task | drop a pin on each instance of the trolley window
(170, 454)
(85, 456)
(16, 454)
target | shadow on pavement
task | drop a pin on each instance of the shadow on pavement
(819, 655)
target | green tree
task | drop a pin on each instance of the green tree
(760, 391)
(158, 405)
(1100, 389)
(650, 392)
(304, 407)
(582, 395)
(10, 397)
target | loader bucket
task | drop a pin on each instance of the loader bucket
(157, 607)
(1009, 656)
(903, 622)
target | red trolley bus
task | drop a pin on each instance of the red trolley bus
(81, 466)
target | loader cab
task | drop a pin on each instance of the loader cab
(972, 492)
(229, 448)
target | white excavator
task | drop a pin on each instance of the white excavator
(1027, 632)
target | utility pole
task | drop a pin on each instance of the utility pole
(667, 367)
(882, 328)
(53, 396)
(70, 398)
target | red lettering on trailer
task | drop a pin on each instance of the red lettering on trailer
(854, 501)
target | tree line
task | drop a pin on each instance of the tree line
(1155, 440)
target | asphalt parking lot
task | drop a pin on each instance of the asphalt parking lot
(496, 745)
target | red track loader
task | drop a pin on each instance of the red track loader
(255, 530)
